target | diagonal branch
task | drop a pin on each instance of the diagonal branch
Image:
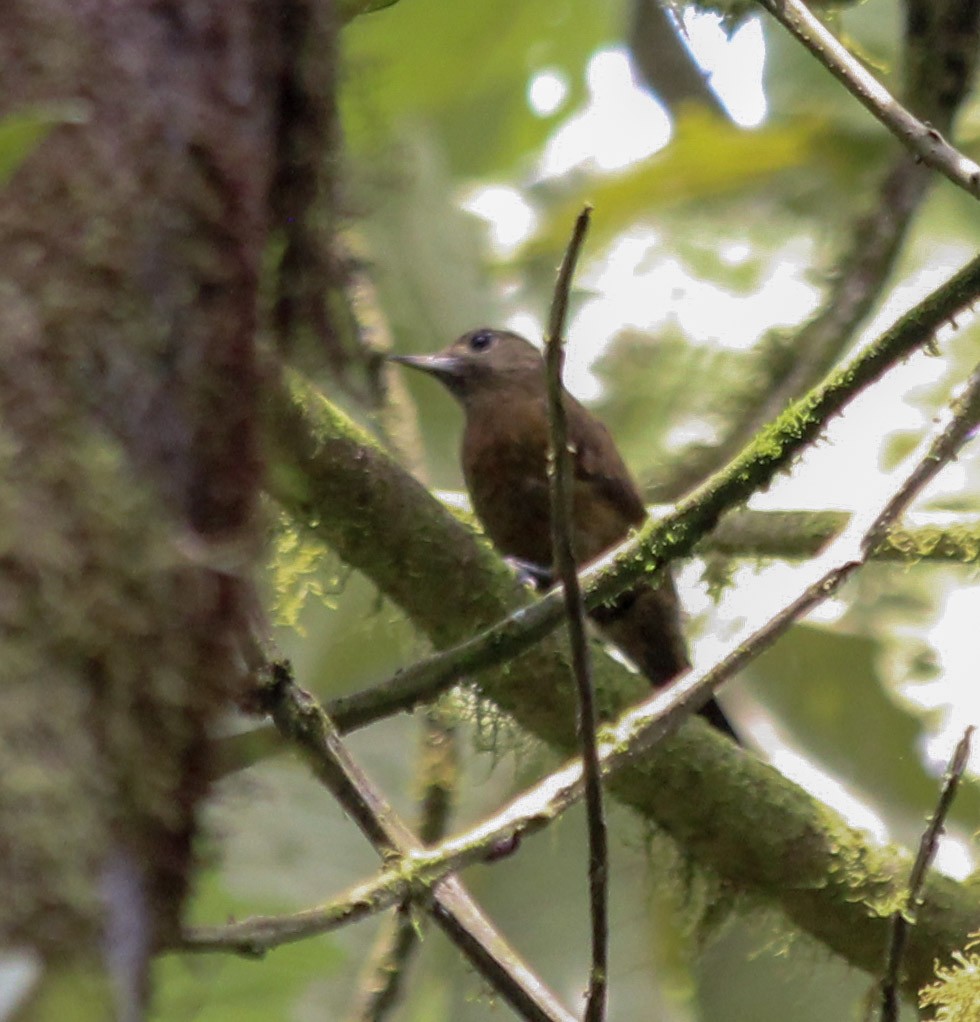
(928, 846)
(924, 141)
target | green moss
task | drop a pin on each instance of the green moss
(955, 995)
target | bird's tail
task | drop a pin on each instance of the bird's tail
(645, 624)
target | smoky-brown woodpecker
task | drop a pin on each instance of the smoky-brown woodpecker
(499, 378)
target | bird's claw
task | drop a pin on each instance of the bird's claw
(535, 576)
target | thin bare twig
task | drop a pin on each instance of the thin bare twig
(963, 421)
(563, 555)
(922, 139)
(905, 917)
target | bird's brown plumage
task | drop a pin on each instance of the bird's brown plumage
(499, 377)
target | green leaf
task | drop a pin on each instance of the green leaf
(22, 132)
(350, 9)
(707, 158)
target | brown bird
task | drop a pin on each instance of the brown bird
(499, 378)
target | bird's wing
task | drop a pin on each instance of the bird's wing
(600, 465)
(605, 493)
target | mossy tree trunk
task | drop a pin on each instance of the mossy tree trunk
(131, 243)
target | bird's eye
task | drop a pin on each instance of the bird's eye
(481, 340)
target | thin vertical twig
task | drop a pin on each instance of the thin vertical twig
(563, 555)
(905, 917)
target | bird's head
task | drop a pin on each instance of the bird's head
(482, 361)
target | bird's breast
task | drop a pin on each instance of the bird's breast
(505, 468)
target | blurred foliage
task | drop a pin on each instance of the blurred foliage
(435, 106)
(799, 981)
(827, 689)
(648, 401)
(270, 827)
(297, 574)
(463, 70)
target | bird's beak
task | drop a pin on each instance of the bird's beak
(444, 367)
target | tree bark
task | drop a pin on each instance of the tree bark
(131, 244)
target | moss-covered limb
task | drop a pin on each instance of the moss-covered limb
(921, 139)
(776, 843)
(802, 534)
(765, 835)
